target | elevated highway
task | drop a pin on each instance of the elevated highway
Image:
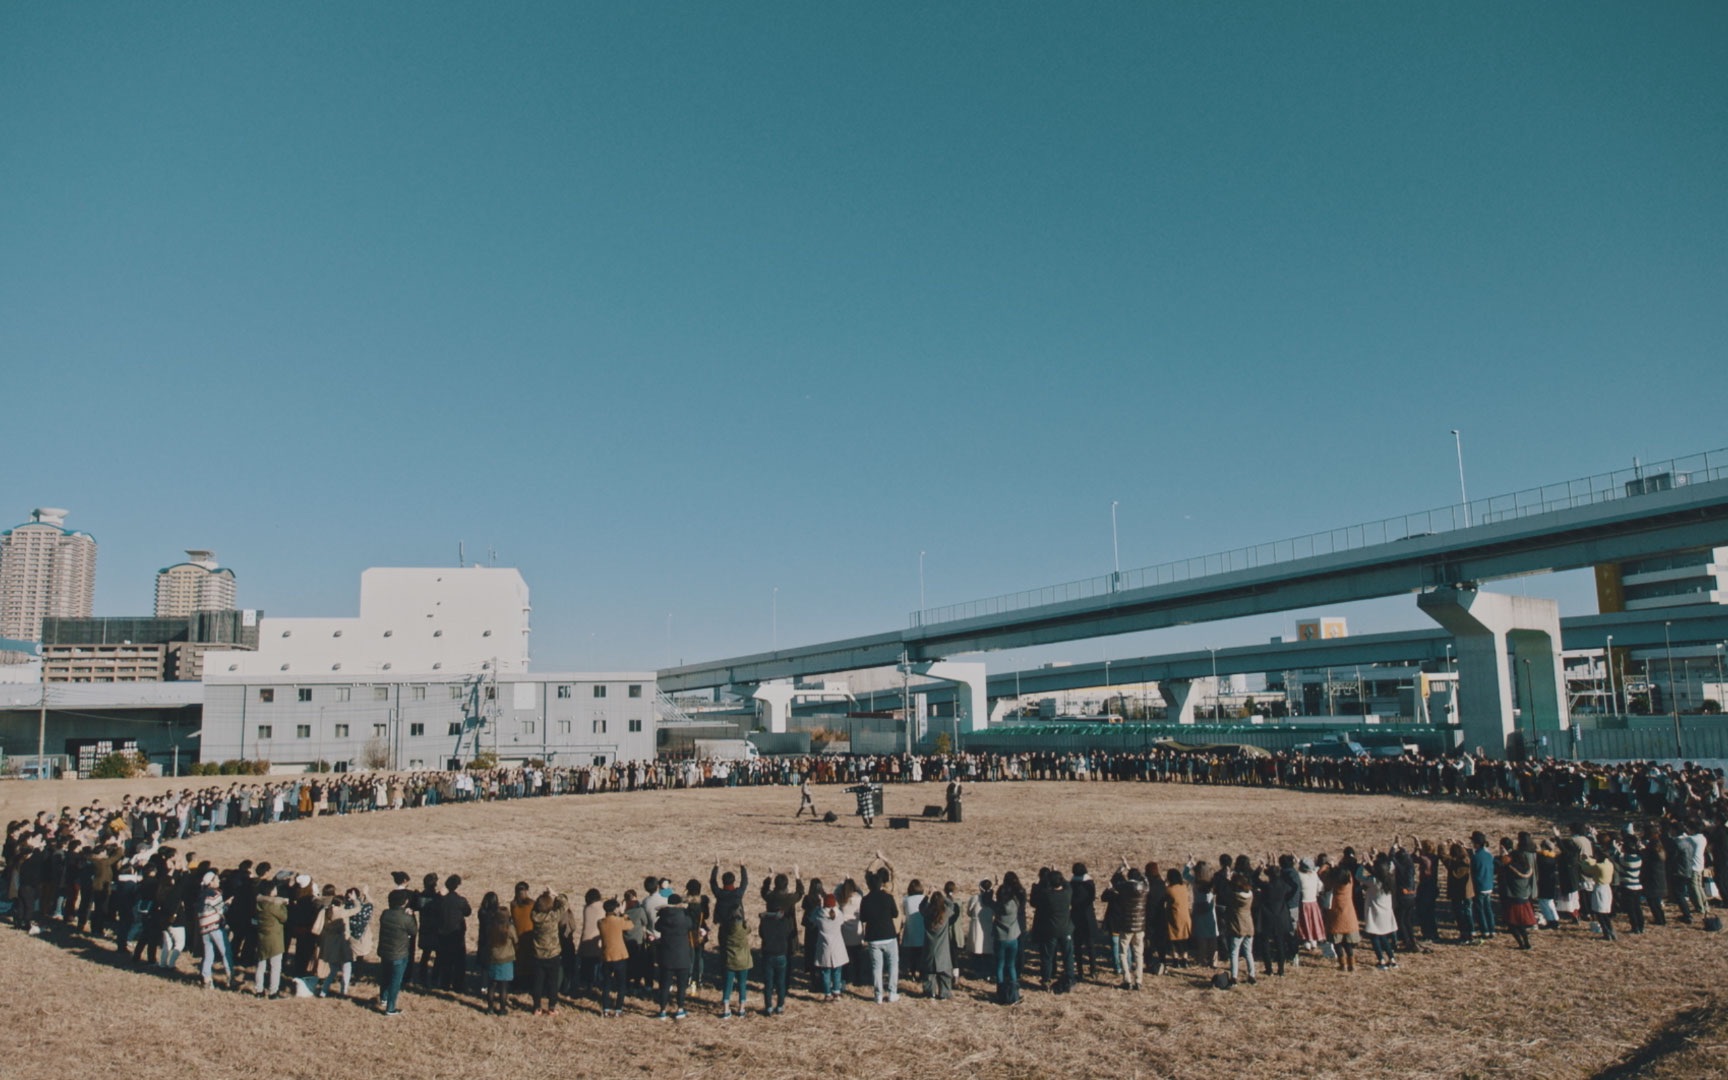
(1612, 517)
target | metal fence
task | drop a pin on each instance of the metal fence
(1698, 739)
(1584, 491)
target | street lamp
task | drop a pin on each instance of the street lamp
(1463, 495)
(1673, 701)
(774, 617)
(1613, 694)
(1719, 691)
(1216, 705)
(920, 581)
(1115, 551)
(1530, 708)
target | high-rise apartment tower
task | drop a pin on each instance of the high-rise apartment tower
(196, 585)
(46, 570)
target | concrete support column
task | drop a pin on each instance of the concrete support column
(971, 689)
(775, 701)
(1508, 659)
(1180, 699)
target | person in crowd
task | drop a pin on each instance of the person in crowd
(212, 917)
(499, 948)
(1007, 906)
(614, 958)
(879, 915)
(832, 954)
(981, 931)
(335, 946)
(1341, 921)
(271, 913)
(672, 941)
(397, 929)
(453, 911)
(939, 912)
(548, 917)
(778, 930)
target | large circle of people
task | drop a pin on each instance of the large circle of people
(127, 874)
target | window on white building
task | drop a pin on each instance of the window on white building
(380, 693)
(341, 731)
(599, 727)
(304, 693)
(635, 689)
(416, 729)
(302, 731)
(266, 694)
(343, 693)
(418, 693)
(266, 731)
(636, 725)
(599, 691)
(564, 691)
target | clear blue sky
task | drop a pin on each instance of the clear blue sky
(674, 304)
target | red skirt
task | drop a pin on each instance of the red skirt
(1520, 913)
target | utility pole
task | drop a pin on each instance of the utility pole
(42, 735)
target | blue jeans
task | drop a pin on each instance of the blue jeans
(393, 972)
(216, 941)
(833, 981)
(1239, 947)
(740, 979)
(885, 953)
(1007, 971)
(774, 981)
(1484, 913)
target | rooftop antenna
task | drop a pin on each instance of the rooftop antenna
(492, 553)
(461, 554)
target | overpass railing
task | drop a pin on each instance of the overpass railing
(1640, 479)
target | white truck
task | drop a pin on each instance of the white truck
(726, 749)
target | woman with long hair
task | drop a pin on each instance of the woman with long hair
(498, 945)
(1008, 912)
(1341, 921)
(939, 915)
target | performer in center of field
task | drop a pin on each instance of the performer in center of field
(805, 802)
(955, 794)
(869, 801)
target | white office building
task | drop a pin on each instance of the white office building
(423, 621)
(424, 721)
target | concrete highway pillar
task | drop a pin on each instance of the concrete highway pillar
(1180, 699)
(776, 704)
(971, 689)
(1508, 656)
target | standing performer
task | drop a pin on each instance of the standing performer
(805, 802)
(868, 801)
(955, 792)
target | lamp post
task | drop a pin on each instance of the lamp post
(1530, 708)
(1216, 707)
(920, 581)
(1673, 701)
(1613, 694)
(1115, 550)
(1720, 646)
(1463, 495)
(774, 617)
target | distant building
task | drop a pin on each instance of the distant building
(425, 721)
(139, 648)
(195, 585)
(435, 621)
(46, 570)
(1699, 576)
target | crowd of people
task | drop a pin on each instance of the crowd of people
(125, 874)
(1648, 789)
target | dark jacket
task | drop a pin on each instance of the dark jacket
(673, 925)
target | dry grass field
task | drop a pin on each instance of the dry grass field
(1648, 1006)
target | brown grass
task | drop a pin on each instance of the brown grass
(1574, 1008)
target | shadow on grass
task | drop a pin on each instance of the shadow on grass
(1675, 1037)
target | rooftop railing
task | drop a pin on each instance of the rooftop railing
(1640, 479)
